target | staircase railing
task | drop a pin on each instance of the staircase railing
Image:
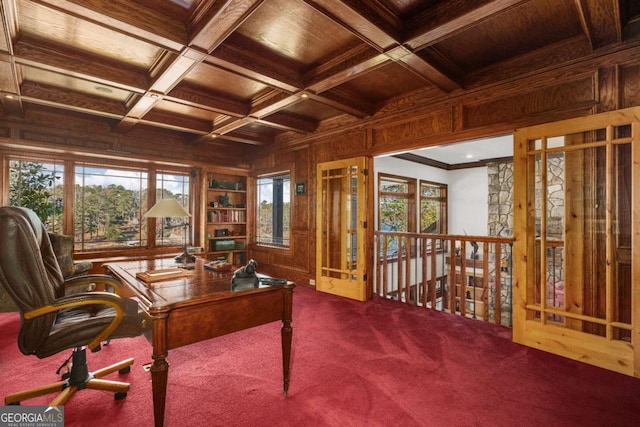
(428, 270)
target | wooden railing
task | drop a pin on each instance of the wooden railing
(427, 270)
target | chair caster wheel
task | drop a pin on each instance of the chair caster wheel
(125, 370)
(120, 396)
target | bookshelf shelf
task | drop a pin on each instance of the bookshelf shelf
(226, 218)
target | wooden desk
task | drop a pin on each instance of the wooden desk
(199, 307)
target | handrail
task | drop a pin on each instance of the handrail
(419, 269)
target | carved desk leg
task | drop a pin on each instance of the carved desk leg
(159, 369)
(287, 333)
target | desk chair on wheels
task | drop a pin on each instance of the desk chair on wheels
(53, 319)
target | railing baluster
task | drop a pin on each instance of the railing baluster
(420, 281)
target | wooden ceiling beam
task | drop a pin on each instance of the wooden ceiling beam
(254, 66)
(242, 139)
(362, 59)
(366, 24)
(601, 21)
(169, 73)
(37, 54)
(128, 18)
(451, 17)
(342, 102)
(215, 20)
(9, 73)
(385, 37)
(59, 98)
(184, 94)
(289, 123)
(231, 124)
(272, 103)
(176, 122)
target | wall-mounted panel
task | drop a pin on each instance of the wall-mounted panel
(571, 95)
(390, 137)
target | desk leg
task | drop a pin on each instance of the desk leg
(287, 333)
(159, 373)
(159, 368)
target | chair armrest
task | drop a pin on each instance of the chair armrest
(120, 304)
(94, 278)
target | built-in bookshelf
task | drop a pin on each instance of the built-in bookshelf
(226, 218)
(470, 286)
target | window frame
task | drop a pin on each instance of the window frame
(69, 193)
(409, 196)
(285, 242)
(443, 201)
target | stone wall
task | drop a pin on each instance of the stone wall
(500, 221)
(500, 199)
(500, 224)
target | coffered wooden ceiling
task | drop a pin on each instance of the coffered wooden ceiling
(247, 71)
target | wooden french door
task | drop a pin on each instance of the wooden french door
(577, 239)
(342, 243)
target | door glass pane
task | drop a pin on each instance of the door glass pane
(621, 226)
(555, 198)
(340, 201)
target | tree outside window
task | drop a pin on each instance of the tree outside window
(433, 208)
(396, 203)
(109, 201)
(39, 187)
(397, 208)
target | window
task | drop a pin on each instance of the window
(109, 207)
(433, 208)
(38, 186)
(171, 231)
(109, 202)
(273, 209)
(396, 197)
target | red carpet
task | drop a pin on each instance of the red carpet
(380, 363)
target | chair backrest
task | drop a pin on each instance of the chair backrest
(29, 271)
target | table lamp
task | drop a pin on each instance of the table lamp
(170, 208)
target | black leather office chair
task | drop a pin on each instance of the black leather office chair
(54, 320)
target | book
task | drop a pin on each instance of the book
(162, 274)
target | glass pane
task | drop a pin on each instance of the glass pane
(555, 196)
(555, 142)
(394, 213)
(585, 237)
(273, 210)
(538, 192)
(109, 205)
(38, 186)
(172, 231)
(621, 226)
(393, 186)
(340, 201)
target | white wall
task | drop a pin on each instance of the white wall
(469, 201)
(468, 192)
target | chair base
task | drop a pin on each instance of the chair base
(78, 378)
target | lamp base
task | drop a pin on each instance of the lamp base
(185, 258)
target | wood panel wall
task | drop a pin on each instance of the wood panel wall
(594, 86)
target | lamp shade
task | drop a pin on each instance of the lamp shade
(167, 208)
